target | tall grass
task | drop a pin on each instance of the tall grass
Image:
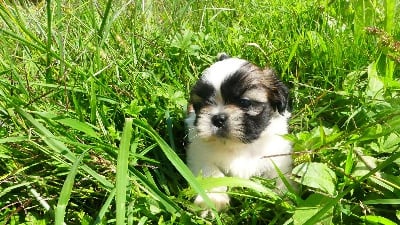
(93, 97)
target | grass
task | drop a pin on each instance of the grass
(93, 97)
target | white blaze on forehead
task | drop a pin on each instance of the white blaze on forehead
(220, 70)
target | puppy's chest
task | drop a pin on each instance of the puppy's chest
(242, 163)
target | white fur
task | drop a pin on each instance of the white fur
(218, 197)
(219, 158)
(218, 71)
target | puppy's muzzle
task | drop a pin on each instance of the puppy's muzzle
(219, 120)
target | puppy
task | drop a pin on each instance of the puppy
(237, 116)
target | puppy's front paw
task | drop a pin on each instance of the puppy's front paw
(220, 200)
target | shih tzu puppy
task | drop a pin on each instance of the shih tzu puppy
(237, 116)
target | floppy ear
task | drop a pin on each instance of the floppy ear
(278, 93)
(222, 56)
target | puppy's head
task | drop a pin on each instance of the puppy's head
(236, 100)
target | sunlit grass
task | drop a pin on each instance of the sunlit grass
(93, 97)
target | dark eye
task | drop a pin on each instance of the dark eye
(244, 103)
(209, 102)
(199, 104)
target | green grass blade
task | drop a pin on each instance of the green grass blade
(49, 70)
(13, 139)
(66, 192)
(59, 148)
(19, 23)
(349, 165)
(212, 182)
(284, 179)
(60, 38)
(394, 201)
(93, 100)
(110, 60)
(9, 189)
(153, 190)
(22, 40)
(42, 49)
(390, 11)
(104, 20)
(105, 207)
(149, 187)
(177, 162)
(78, 125)
(292, 54)
(169, 129)
(122, 171)
(371, 219)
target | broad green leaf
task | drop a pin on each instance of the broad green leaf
(364, 166)
(309, 207)
(351, 80)
(316, 175)
(391, 142)
(393, 180)
(341, 194)
(387, 181)
(375, 84)
(382, 183)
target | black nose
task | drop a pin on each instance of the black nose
(219, 120)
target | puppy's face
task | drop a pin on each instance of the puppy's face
(236, 100)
